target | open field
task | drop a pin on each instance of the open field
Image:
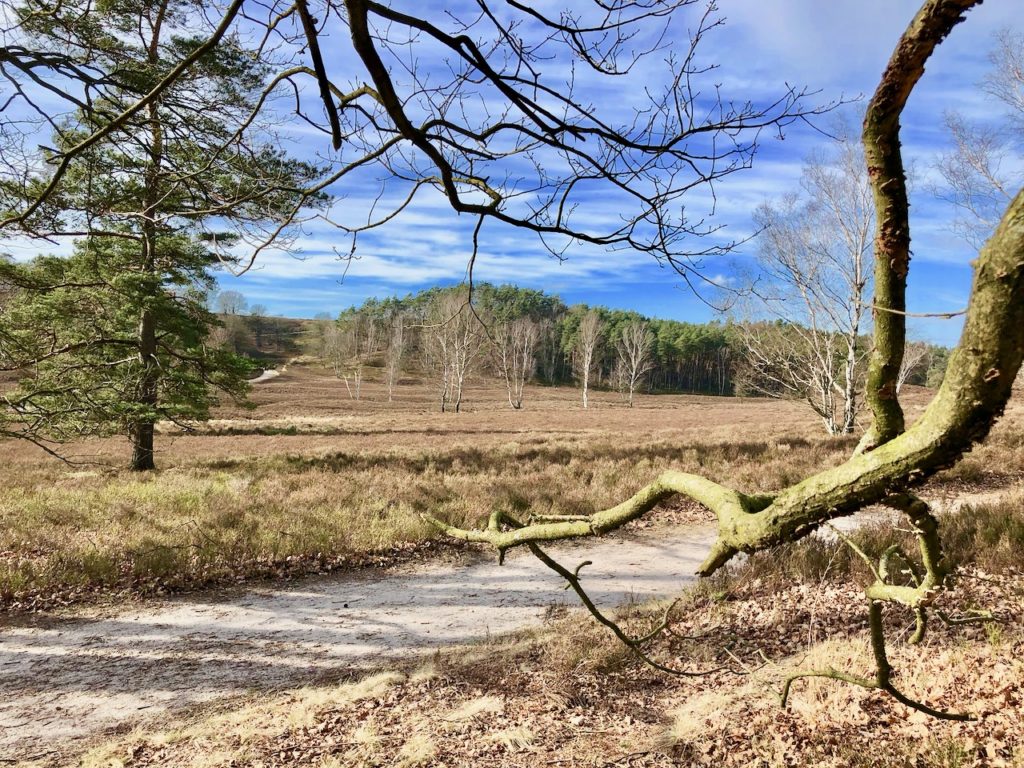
(310, 480)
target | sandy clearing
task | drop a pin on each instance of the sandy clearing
(267, 375)
(65, 679)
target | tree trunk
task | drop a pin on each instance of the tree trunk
(850, 390)
(140, 433)
(892, 228)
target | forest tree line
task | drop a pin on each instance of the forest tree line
(520, 335)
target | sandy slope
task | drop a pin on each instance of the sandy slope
(63, 679)
(267, 375)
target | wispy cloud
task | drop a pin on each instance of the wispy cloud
(838, 47)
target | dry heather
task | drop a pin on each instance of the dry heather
(570, 695)
(311, 480)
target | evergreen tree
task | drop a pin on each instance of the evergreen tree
(155, 202)
(71, 325)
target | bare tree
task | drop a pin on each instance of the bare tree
(916, 359)
(334, 347)
(984, 168)
(453, 344)
(893, 460)
(588, 339)
(501, 136)
(231, 334)
(231, 303)
(633, 349)
(227, 334)
(395, 352)
(517, 160)
(977, 178)
(1006, 80)
(815, 266)
(423, 135)
(355, 341)
(515, 346)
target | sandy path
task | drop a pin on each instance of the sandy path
(267, 375)
(65, 679)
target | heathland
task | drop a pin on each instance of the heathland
(310, 480)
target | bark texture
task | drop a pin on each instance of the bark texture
(881, 136)
(141, 431)
(973, 395)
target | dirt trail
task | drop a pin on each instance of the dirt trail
(64, 679)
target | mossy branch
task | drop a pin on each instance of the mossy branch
(881, 138)
(883, 673)
(730, 506)
(918, 598)
(973, 394)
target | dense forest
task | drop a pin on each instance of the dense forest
(495, 325)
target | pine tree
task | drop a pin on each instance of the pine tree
(149, 207)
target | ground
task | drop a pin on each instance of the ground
(311, 481)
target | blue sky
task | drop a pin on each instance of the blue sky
(838, 47)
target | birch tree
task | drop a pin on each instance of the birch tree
(356, 342)
(515, 348)
(453, 344)
(334, 347)
(814, 261)
(395, 352)
(985, 167)
(633, 350)
(887, 466)
(588, 338)
(916, 359)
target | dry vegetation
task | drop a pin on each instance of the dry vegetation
(310, 480)
(569, 694)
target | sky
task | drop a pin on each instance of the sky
(837, 48)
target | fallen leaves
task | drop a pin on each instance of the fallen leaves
(568, 696)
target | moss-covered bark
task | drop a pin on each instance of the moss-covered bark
(881, 136)
(975, 390)
(977, 385)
